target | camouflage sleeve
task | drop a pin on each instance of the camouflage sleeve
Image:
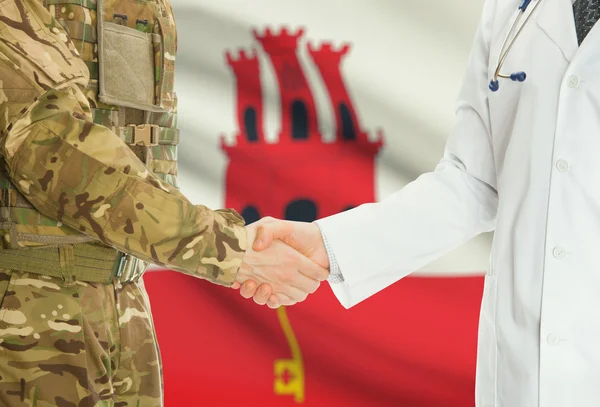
(82, 174)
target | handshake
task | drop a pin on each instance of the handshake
(284, 262)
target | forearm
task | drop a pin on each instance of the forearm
(84, 176)
(81, 173)
(418, 224)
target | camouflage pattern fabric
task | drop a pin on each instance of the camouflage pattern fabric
(68, 178)
(81, 345)
(80, 173)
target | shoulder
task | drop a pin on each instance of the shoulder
(36, 46)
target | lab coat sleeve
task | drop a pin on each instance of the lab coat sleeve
(377, 244)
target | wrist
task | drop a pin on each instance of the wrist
(244, 271)
(322, 251)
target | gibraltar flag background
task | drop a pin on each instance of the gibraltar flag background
(300, 110)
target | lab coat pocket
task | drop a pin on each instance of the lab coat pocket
(485, 392)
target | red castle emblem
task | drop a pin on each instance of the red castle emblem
(300, 177)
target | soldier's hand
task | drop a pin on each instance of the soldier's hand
(282, 271)
(304, 237)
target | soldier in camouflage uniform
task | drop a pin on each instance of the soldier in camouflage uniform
(88, 198)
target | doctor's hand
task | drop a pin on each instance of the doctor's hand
(288, 274)
(304, 237)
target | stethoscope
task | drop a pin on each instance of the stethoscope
(506, 46)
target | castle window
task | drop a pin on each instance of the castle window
(301, 210)
(250, 124)
(348, 130)
(250, 214)
(299, 120)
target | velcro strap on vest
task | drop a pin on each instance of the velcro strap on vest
(80, 262)
(148, 135)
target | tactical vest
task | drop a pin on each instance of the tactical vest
(129, 47)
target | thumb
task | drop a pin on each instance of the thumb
(266, 233)
(264, 237)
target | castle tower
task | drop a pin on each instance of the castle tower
(249, 95)
(299, 177)
(328, 61)
(298, 112)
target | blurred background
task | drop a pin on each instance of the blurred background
(322, 105)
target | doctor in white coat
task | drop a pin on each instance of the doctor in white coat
(523, 160)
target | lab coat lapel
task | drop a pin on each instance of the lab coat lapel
(555, 18)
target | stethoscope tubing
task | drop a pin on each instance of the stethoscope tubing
(507, 45)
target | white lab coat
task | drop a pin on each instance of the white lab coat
(524, 161)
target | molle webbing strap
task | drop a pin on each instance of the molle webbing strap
(67, 263)
(164, 119)
(165, 135)
(78, 30)
(82, 262)
(105, 117)
(93, 68)
(169, 179)
(10, 197)
(154, 142)
(113, 116)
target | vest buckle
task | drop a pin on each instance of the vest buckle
(144, 134)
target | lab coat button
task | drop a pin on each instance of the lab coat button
(559, 253)
(573, 81)
(562, 165)
(553, 339)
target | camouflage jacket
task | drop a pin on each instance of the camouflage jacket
(79, 176)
